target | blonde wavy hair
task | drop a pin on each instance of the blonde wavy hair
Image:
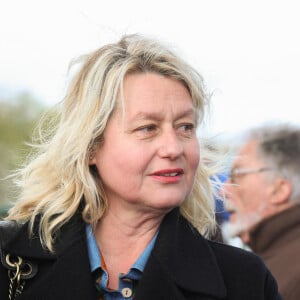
(58, 181)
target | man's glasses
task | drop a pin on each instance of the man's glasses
(236, 173)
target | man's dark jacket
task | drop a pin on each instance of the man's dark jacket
(277, 241)
(182, 265)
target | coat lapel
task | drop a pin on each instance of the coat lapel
(63, 275)
(181, 263)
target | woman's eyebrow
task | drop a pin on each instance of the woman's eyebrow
(160, 115)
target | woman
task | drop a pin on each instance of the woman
(117, 203)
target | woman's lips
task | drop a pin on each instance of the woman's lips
(168, 175)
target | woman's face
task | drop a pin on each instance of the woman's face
(150, 152)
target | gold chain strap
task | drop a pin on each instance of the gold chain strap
(16, 285)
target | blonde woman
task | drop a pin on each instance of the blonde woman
(117, 204)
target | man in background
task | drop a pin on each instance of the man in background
(263, 199)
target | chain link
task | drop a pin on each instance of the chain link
(16, 285)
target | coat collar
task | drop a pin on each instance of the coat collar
(185, 257)
(63, 275)
(181, 260)
(276, 230)
(17, 241)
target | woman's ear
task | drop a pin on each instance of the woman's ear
(282, 191)
(94, 151)
(92, 159)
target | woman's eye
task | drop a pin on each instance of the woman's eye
(147, 128)
(188, 127)
(146, 131)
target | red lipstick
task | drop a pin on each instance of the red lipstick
(168, 175)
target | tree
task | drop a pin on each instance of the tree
(18, 117)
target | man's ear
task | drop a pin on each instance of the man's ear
(282, 190)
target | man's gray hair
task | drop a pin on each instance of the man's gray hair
(279, 147)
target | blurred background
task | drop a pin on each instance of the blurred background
(247, 51)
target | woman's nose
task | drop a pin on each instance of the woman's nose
(170, 145)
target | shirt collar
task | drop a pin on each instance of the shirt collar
(95, 258)
(93, 251)
(142, 260)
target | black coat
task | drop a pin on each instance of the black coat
(182, 265)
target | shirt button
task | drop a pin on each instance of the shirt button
(126, 292)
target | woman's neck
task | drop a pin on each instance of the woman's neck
(122, 238)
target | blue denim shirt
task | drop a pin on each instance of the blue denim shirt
(127, 282)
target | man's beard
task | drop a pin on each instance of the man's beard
(233, 229)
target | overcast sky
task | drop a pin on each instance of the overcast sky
(247, 51)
